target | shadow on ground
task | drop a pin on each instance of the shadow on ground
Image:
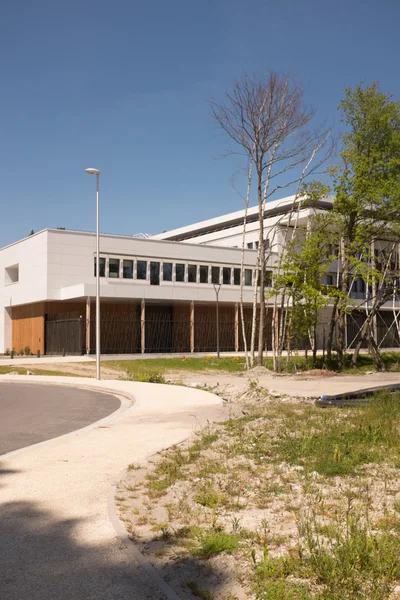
(42, 559)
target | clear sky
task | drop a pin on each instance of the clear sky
(123, 86)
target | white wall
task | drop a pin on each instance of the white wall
(30, 255)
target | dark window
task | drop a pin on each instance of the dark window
(141, 266)
(250, 245)
(113, 267)
(179, 272)
(102, 267)
(127, 269)
(226, 275)
(214, 274)
(267, 278)
(247, 277)
(256, 245)
(154, 273)
(203, 274)
(167, 271)
(236, 276)
(329, 280)
(192, 273)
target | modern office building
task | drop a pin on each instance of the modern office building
(158, 294)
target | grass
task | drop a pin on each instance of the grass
(199, 591)
(236, 364)
(22, 371)
(344, 540)
(216, 542)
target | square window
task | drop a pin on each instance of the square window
(247, 277)
(127, 269)
(11, 274)
(141, 266)
(215, 278)
(192, 273)
(236, 276)
(203, 274)
(102, 267)
(179, 272)
(167, 271)
(250, 245)
(226, 275)
(113, 267)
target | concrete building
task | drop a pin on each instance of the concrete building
(157, 293)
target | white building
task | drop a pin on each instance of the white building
(157, 294)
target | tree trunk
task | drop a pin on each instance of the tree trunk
(246, 207)
(331, 331)
(342, 307)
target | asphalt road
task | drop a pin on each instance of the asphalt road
(34, 413)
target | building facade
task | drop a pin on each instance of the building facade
(158, 294)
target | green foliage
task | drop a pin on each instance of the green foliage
(336, 443)
(216, 542)
(150, 376)
(27, 351)
(231, 364)
(199, 591)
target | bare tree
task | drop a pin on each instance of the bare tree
(271, 125)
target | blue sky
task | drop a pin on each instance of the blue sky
(124, 86)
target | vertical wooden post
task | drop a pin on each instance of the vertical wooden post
(88, 325)
(236, 327)
(143, 326)
(192, 326)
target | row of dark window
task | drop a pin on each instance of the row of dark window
(179, 272)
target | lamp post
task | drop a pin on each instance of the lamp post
(97, 173)
(217, 287)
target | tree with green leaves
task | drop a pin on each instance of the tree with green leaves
(367, 187)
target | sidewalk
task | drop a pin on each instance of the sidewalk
(56, 539)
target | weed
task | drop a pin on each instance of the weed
(216, 542)
(199, 591)
(148, 376)
(209, 497)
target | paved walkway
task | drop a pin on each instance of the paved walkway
(56, 540)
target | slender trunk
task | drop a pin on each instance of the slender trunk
(246, 208)
(342, 307)
(331, 331)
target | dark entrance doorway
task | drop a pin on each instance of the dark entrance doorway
(159, 328)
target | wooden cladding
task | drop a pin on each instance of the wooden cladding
(28, 327)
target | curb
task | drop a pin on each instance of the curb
(134, 552)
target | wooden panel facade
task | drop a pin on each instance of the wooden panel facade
(28, 327)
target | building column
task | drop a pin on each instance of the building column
(236, 327)
(192, 326)
(88, 325)
(143, 326)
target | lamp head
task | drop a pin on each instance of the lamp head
(92, 171)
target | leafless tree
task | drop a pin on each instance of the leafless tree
(270, 124)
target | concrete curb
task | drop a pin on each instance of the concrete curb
(134, 552)
(127, 403)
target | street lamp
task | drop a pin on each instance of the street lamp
(97, 173)
(217, 287)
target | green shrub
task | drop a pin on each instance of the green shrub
(27, 351)
(7, 352)
(148, 377)
(215, 542)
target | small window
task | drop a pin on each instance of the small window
(215, 275)
(167, 271)
(226, 275)
(141, 266)
(113, 267)
(154, 273)
(266, 244)
(179, 272)
(329, 280)
(11, 274)
(256, 245)
(203, 274)
(102, 267)
(247, 277)
(127, 269)
(250, 245)
(236, 276)
(192, 273)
